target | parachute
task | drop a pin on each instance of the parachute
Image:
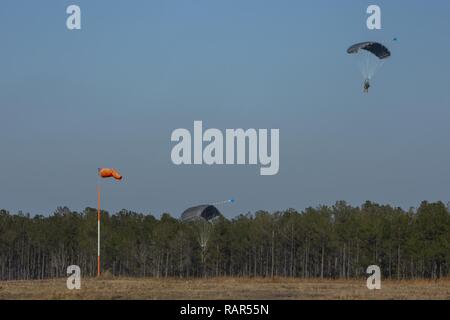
(371, 57)
(202, 219)
(109, 173)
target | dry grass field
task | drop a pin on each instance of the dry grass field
(223, 288)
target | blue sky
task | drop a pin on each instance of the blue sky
(112, 93)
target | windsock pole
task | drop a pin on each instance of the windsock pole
(103, 173)
(98, 231)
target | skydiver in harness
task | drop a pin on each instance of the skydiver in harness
(366, 86)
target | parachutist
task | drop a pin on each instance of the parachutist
(372, 56)
(366, 86)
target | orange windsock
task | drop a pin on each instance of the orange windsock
(109, 173)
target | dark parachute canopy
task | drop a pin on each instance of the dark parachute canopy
(203, 212)
(375, 48)
(201, 218)
(370, 57)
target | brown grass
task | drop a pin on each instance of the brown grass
(224, 288)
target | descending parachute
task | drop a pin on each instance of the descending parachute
(371, 57)
(109, 173)
(202, 219)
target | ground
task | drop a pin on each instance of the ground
(223, 288)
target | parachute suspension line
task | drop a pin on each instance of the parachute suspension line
(220, 202)
(363, 64)
(376, 66)
(223, 202)
(368, 64)
(369, 70)
(380, 64)
(204, 234)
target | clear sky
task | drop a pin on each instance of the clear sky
(112, 93)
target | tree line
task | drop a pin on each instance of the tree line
(338, 241)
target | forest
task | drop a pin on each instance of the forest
(338, 241)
